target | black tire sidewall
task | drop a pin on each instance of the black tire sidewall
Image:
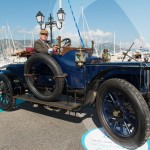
(127, 89)
(54, 66)
(12, 100)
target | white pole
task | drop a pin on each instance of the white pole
(32, 39)
(6, 38)
(88, 27)
(120, 46)
(2, 46)
(101, 43)
(89, 32)
(24, 41)
(11, 38)
(114, 42)
(83, 24)
(60, 6)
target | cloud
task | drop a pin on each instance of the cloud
(138, 43)
(101, 33)
(36, 29)
(98, 36)
(147, 45)
(15, 33)
(141, 42)
(2, 29)
(91, 33)
(125, 45)
(24, 31)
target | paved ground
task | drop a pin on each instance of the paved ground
(32, 128)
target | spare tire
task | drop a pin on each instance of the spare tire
(43, 77)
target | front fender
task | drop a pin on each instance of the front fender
(135, 75)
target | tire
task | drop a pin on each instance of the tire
(123, 113)
(40, 72)
(6, 94)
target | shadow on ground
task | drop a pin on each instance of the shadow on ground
(88, 112)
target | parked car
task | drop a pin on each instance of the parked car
(120, 90)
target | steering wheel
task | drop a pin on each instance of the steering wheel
(66, 42)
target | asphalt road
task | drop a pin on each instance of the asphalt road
(32, 128)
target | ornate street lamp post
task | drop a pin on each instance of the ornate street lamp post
(51, 23)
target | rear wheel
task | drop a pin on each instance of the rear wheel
(123, 113)
(6, 93)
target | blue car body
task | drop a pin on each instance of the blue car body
(137, 73)
(120, 91)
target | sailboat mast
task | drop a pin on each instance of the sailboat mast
(84, 18)
(6, 40)
(120, 46)
(83, 25)
(14, 47)
(32, 39)
(114, 42)
(24, 41)
(2, 47)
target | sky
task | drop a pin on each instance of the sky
(100, 19)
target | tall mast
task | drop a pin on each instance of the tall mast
(32, 39)
(89, 32)
(120, 46)
(83, 24)
(14, 47)
(6, 40)
(2, 47)
(24, 41)
(114, 42)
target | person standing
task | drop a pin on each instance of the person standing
(106, 55)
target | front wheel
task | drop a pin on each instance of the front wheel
(6, 93)
(123, 113)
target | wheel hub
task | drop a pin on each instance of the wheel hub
(117, 113)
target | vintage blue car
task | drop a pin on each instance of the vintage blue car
(120, 90)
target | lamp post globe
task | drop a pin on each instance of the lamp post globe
(59, 25)
(40, 18)
(61, 15)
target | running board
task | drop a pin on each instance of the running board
(58, 104)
